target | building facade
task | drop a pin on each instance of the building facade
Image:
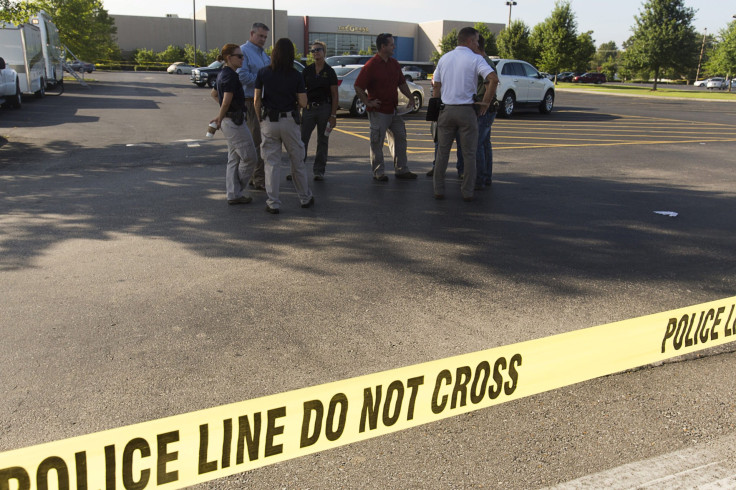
(215, 26)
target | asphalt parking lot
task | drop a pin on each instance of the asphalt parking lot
(130, 291)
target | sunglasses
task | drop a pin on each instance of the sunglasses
(315, 50)
(238, 55)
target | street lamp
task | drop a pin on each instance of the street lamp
(510, 4)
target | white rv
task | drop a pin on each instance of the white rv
(21, 47)
(53, 51)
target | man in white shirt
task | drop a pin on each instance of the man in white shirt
(455, 82)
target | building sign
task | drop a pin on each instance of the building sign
(349, 28)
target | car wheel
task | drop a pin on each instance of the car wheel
(408, 78)
(210, 83)
(42, 91)
(178, 71)
(358, 108)
(417, 102)
(545, 107)
(18, 98)
(201, 84)
(507, 104)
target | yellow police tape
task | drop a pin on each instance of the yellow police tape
(200, 446)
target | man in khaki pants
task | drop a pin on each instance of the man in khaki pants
(455, 82)
(254, 58)
(377, 85)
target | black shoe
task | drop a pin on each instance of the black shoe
(288, 177)
(271, 210)
(460, 176)
(381, 178)
(431, 173)
(406, 176)
(309, 203)
(468, 199)
(319, 177)
(439, 197)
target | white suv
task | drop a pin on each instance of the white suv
(520, 84)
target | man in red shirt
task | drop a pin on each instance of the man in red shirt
(376, 86)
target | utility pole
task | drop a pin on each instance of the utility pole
(273, 23)
(510, 4)
(702, 47)
(194, 30)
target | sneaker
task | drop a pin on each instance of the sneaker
(240, 200)
(439, 197)
(406, 176)
(381, 178)
(309, 203)
(257, 187)
(319, 177)
(288, 177)
(271, 210)
(431, 173)
(460, 176)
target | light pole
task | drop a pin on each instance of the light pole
(510, 4)
(273, 23)
(702, 46)
(194, 30)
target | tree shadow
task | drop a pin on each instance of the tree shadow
(553, 231)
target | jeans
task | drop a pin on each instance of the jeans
(319, 116)
(484, 155)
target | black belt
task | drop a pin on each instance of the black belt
(459, 105)
(314, 105)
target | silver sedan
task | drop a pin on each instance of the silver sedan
(349, 101)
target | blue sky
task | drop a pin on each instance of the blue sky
(609, 20)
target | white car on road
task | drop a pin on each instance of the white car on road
(716, 83)
(520, 84)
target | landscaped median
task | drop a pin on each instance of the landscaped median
(620, 89)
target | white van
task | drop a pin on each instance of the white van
(21, 46)
(53, 51)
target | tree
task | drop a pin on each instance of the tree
(664, 39)
(513, 42)
(172, 54)
(606, 59)
(723, 57)
(490, 38)
(201, 59)
(584, 52)
(447, 44)
(17, 12)
(555, 39)
(84, 25)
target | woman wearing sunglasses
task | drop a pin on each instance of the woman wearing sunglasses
(321, 83)
(241, 152)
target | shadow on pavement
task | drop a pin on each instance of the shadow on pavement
(548, 230)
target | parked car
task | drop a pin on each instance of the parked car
(567, 76)
(82, 66)
(716, 83)
(520, 84)
(547, 76)
(180, 67)
(701, 83)
(412, 73)
(208, 75)
(349, 101)
(347, 60)
(590, 77)
(10, 93)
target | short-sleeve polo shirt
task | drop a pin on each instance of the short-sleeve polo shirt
(381, 80)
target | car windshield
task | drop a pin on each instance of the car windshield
(341, 71)
(215, 64)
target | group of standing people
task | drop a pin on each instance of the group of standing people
(260, 98)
